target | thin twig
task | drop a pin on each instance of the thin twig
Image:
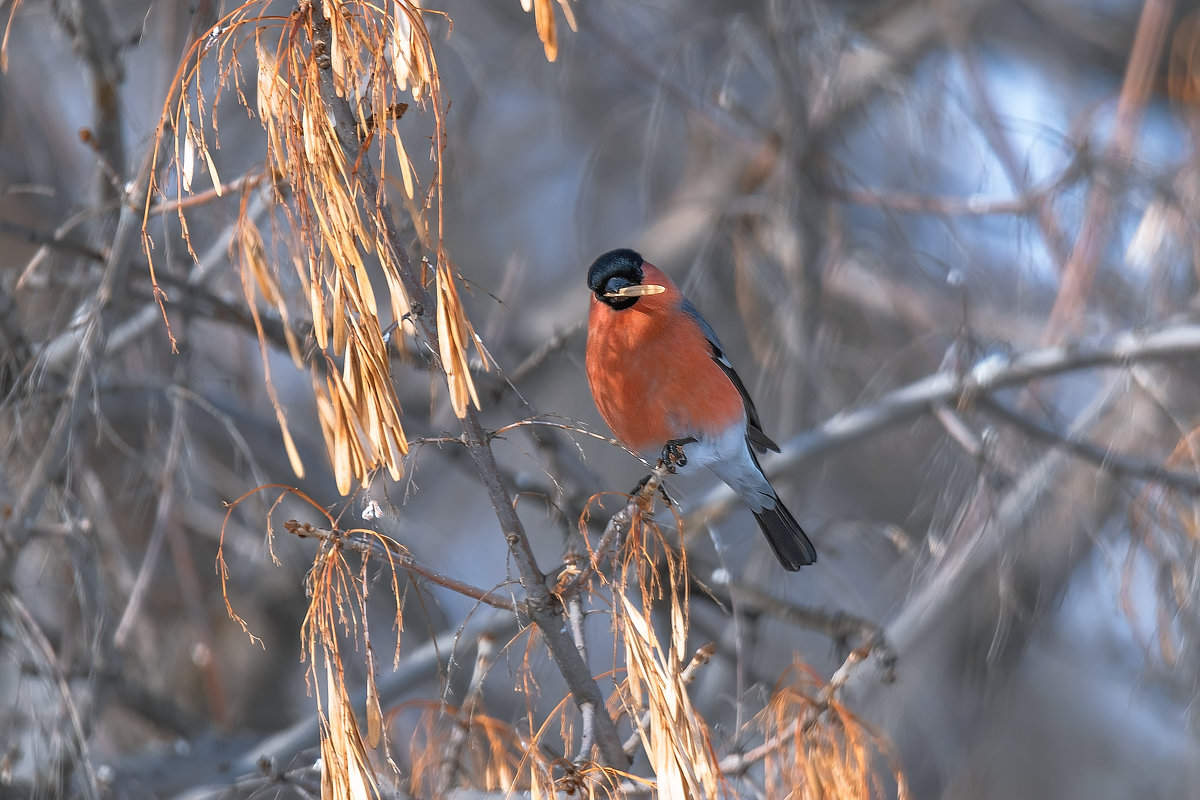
(587, 713)
(29, 633)
(249, 180)
(1039, 200)
(362, 541)
(618, 526)
(90, 29)
(738, 763)
(415, 668)
(916, 203)
(841, 626)
(51, 240)
(162, 513)
(210, 264)
(192, 593)
(1009, 519)
(83, 345)
(452, 764)
(539, 357)
(1115, 463)
(958, 430)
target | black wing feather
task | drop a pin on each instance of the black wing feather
(754, 431)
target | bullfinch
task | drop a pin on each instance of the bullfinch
(662, 382)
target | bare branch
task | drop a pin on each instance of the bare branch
(618, 526)
(1011, 519)
(192, 777)
(452, 764)
(847, 427)
(74, 743)
(166, 499)
(840, 626)
(540, 356)
(1103, 457)
(55, 240)
(87, 23)
(1080, 270)
(360, 541)
(587, 712)
(84, 345)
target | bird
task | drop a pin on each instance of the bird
(662, 382)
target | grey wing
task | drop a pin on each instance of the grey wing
(754, 431)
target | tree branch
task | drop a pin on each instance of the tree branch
(1103, 457)
(1079, 272)
(991, 374)
(370, 545)
(544, 608)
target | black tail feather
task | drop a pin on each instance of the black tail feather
(786, 537)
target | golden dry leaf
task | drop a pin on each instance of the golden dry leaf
(374, 710)
(289, 444)
(817, 749)
(677, 741)
(406, 169)
(337, 611)
(452, 748)
(455, 335)
(675, 738)
(256, 274)
(401, 47)
(380, 57)
(340, 304)
(565, 5)
(212, 170)
(336, 434)
(188, 165)
(543, 17)
(316, 299)
(346, 768)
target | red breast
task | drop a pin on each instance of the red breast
(652, 374)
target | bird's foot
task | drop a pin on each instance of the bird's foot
(673, 456)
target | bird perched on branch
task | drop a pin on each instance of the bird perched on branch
(661, 381)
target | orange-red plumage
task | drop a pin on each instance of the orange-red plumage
(652, 373)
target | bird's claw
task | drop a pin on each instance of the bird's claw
(673, 456)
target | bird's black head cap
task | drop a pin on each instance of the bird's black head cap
(615, 270)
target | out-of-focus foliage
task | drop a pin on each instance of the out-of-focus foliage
(949, 247)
